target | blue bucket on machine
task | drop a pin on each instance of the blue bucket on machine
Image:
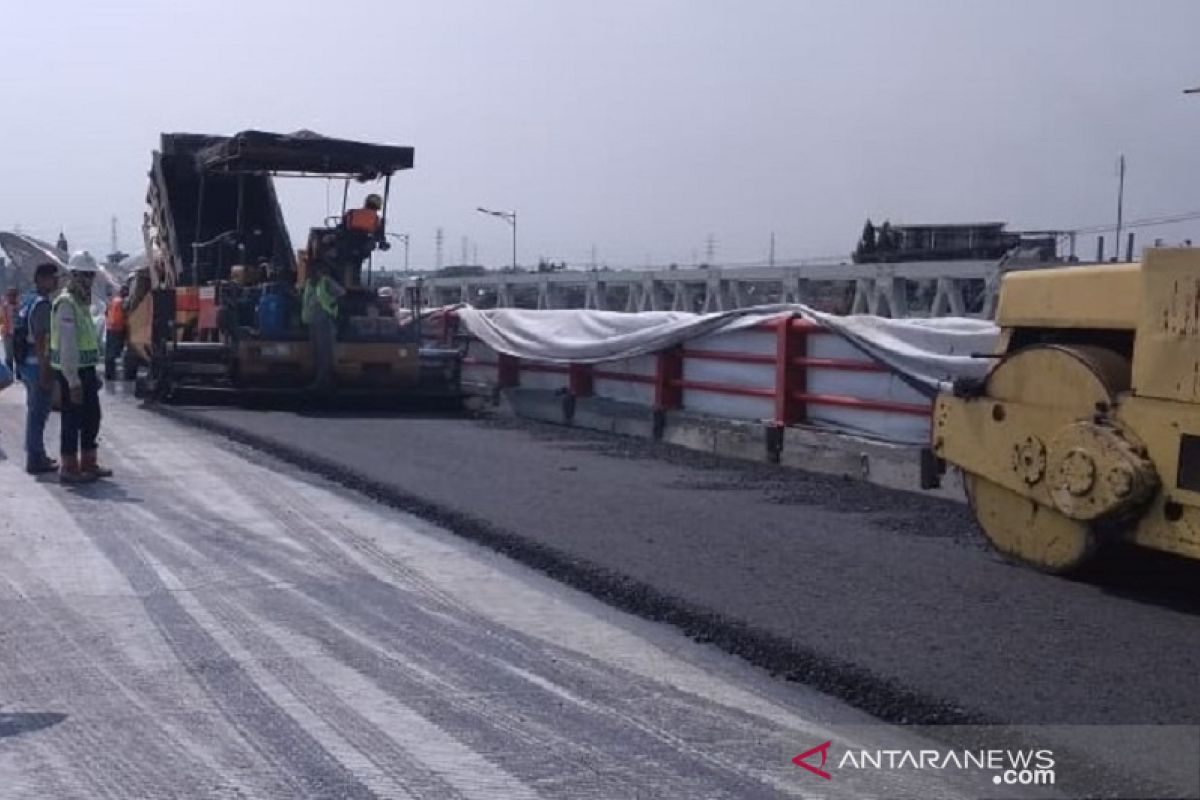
(273, 311)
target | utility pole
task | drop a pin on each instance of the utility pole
(710, 250)
(771, 256)
(464, 251)
(1120, 205)
(439, 240)
(593, 263)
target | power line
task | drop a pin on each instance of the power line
(1146, 222)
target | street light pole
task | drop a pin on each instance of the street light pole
(511, 218)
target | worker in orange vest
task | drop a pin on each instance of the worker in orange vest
(366, 219)
(115, 331)
(8, 317)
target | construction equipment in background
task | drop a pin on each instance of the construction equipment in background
(222, 306)
(1087, 429)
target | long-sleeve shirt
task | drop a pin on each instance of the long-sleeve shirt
(68, 343)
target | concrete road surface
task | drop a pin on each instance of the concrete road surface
(214, 624)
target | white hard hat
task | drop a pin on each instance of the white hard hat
(82, 261)
(385, 291)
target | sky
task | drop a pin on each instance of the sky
(640, 128)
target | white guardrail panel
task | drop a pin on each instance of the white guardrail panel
(638, 392)
(749, 376)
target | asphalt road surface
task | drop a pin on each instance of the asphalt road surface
(887, 599)
(214, 624)
(269, 620)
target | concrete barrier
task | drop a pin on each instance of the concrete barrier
(787, 392)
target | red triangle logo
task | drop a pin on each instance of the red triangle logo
(802, 760)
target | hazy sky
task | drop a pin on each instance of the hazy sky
(637, 126)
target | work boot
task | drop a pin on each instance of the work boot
(41, 465)
(88, 465)
(70, 473)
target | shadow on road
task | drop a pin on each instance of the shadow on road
(1146, 576)
(357, 406)
(15, 724)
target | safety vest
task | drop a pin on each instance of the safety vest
(85, 333)
(8, 313)
(114, 319)
(319, 291)
(363, 220)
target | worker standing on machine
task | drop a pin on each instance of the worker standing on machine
(361, 233)
(366, 219)
(74, 353)
(114, 332)
(319, 311)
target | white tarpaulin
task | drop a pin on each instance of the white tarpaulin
(926, 352)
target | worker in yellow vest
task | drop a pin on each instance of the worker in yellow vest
(319, 311)
(74, 354)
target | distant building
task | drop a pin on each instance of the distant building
(984, 241)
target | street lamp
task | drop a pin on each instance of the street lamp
(404, 238)
(511, 218)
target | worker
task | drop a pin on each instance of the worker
(32, 345)
(8, 317)
(115, 332)
(74, 352)
(360, 234)
(319, 311)
(387, 301)
(366, 219)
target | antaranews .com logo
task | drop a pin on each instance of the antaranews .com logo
(1006, 767)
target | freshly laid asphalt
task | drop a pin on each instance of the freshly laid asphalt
(886, 599)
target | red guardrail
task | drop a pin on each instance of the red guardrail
(790, 359)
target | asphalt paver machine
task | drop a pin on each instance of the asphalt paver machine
(221, 310)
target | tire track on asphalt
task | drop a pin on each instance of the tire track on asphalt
(515, 719)
(876, 693)
(206, 750)
(105, 767)
(525, 657)
(309, 770)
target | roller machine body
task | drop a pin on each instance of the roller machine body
(1086, 430)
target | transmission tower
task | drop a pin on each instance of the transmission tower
(464, 251)
(115, 256)
(710, 249)
(440, 239)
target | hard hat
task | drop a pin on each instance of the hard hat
(82, 261)
(373, 201)
(386, 291)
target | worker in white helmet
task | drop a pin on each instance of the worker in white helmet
(74, 354)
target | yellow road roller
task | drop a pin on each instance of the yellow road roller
(1086, 430)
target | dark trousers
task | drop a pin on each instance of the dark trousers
(80, 421)
(322, 332)
(114, 348)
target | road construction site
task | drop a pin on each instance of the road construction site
(298, 602)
